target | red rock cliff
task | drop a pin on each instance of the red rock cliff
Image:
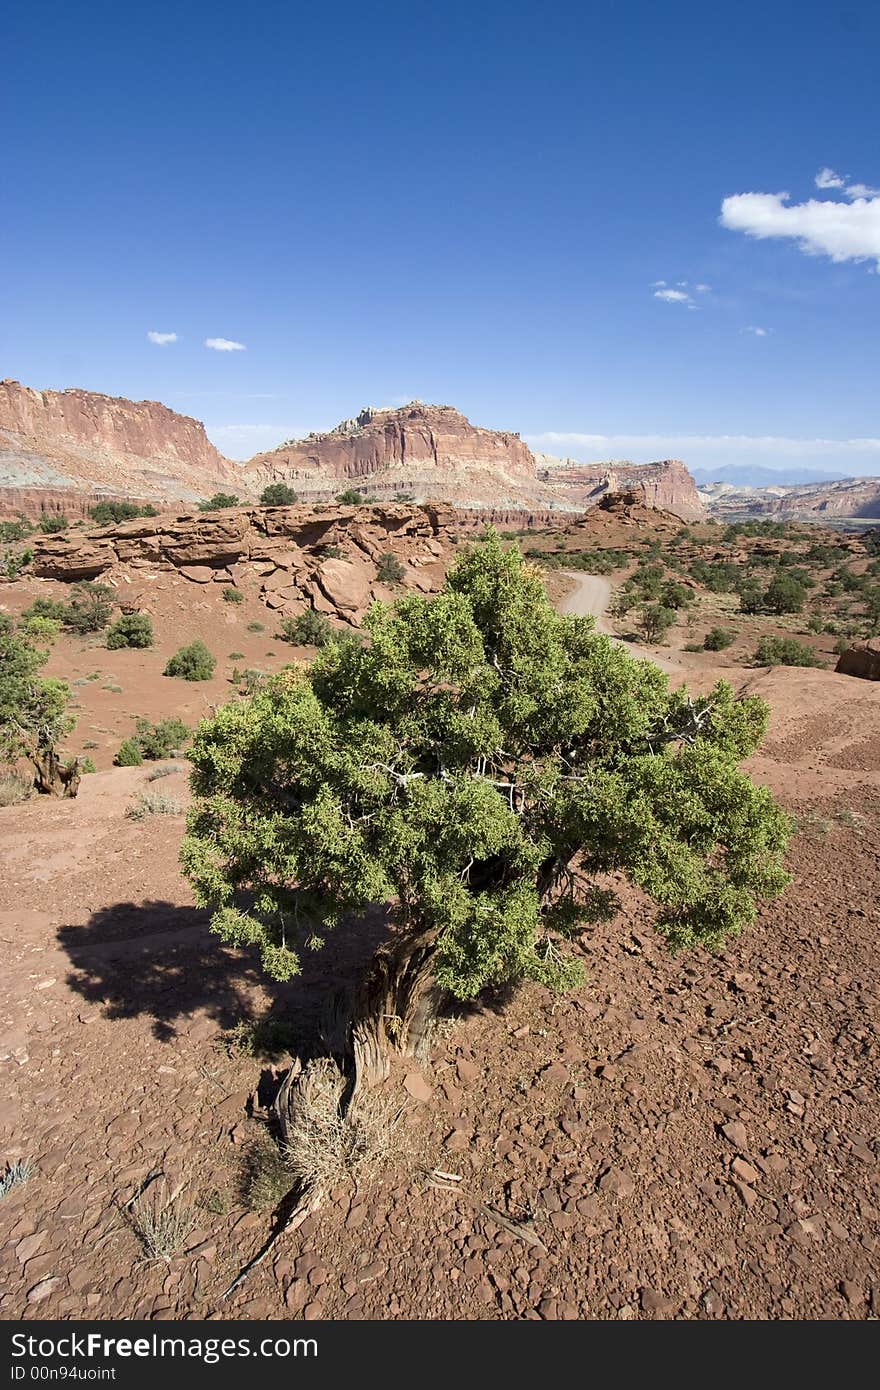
(82, 440)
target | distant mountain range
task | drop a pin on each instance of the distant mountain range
(755, 476)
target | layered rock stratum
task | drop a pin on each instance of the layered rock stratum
(73, 442)
(849, 498)
(62, 450)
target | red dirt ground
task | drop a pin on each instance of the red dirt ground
(692, 1138)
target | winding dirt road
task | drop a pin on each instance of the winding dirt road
(590, 597)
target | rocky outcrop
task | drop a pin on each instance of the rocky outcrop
(86, 442)
(320, 556)
(665, 486)
(862, 661)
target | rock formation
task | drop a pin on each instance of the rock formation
(862, 660)
(58, 448)
(324, 557)
(434, 451)
(79, 441)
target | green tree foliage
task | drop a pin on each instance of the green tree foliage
(389, 570)
(129, 754)
(786, 594)
(351, 497)
(785, 651)
(44, 629)
(18, 530)
(192, 663)
(131, 630)
(89, 607)
(218, 502)
(278, 495)
(45, 608)
(480, 762)
(33, 710)
(717, 639)
(51, 523)
(111, 513)
(308, 629)
(655, 621)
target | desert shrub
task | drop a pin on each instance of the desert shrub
(12, 563)
(331, 552)
(751, 598)
(45, 608)
(45, 628)
(717, 639)
(219, 502)
(459, 765)
(816, 623)
(233, 595)
(89, 607)
(278, 495)
(389, 570)
(308, 629)
(34, 714)
(153, 804)
(14, 788)
(192, 663)
(236, 656)
(15, 530)
(51, 523)
(131, 630)
(249, 680)
(111, 513)
(675, 595)
(404, 497)
(786, 594)
(162, 1222)
(785, 651)
(256, 627)
(129, 754)
(157, 741)
(718, 578)
(87, 765)
(164, 770)
(655, 621)
(350, 497)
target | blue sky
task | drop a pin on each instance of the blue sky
(479, 204)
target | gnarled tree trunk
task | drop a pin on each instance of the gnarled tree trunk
(54, 778)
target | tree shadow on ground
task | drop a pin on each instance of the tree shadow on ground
(159, 959)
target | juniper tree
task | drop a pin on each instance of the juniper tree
(484, 763)
(33, 713)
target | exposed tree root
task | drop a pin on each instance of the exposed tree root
(329, 1118)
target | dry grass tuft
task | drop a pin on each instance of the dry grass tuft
(153, 804)
(14, 788)
(16, 1174)
(162, 1223)
(323, 1144)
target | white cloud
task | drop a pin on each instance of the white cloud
(820, 227)
(160, 339)
(755, 331)
(702, 289)
(826, 178)
(851, 456)
(673, 296)
(224, 345)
